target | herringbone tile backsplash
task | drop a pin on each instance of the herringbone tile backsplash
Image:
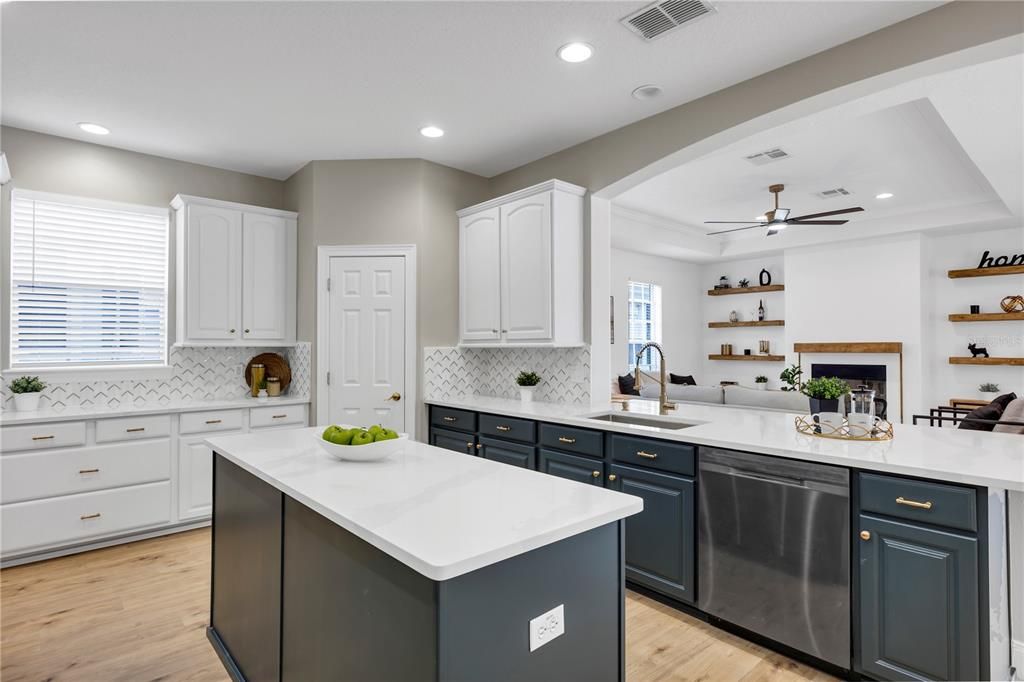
(451, 372)
(199, 373)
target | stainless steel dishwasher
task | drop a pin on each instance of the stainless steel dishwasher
(774, 549)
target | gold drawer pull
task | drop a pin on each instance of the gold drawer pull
(479, 446)
(278, 416)
(647, 455)
(612, 477)
(136, 429)
(88, 471)
(596, 474)
(563, 439)
(913, 503)
(42, 437)
(503, 428)
(213, 421)
(450, 419)
(85, 517)
(865, 535)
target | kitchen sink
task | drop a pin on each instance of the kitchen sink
(640, 420)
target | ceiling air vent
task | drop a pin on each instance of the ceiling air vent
(761, 158)
(654, 21)
(832, 193)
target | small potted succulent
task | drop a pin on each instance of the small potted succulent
(761, 381)
(824, 394)
(988, 391)
(26, 392)
(527, 382)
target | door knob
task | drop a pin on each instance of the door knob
(596, 474)
(865, 535)
(612, 477)
(396, 396)
(246, 331)
(231, 331)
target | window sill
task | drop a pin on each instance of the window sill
(98, 373)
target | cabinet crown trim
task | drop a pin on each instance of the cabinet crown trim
(546, 186)
(181, 200)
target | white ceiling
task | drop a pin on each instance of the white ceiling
(950, 148)
(264, 87)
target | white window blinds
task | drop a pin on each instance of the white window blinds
(88, 282)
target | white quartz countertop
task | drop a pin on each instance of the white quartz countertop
(441, 513)
(11, 417)
(994, 460)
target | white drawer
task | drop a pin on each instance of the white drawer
(39, 436)
(201, 422)
(133, 428)
(34, 475)
(276, 416)
(74, 518)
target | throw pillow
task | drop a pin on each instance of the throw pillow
(1004, 400)
(686, 380)
(1014, 412)
(991, 411)
(627, 385)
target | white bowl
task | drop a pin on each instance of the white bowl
(363, 453)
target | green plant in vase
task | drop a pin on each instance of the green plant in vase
(791, 378)
(527, 381)
(26, 392)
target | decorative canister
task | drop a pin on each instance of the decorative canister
(726, 349)
(257, 378)
(273, 387)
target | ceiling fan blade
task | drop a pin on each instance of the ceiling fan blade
(827, 213)
(817, 222)
(735, 229)
(728, 222)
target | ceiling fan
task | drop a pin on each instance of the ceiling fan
(778, 219)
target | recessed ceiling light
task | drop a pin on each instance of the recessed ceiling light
(431, 131)
(575, 53)
(94, 128)
(646, 92)
(884, 195)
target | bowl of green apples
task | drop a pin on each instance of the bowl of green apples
(356, 444)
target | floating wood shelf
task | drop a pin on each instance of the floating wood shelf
(751, 323)
(746, 290)
(1019, 362)
(985, 317)
(994, 271)
(750, 358)
(853, 347)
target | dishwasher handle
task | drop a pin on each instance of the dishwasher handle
(774, 470)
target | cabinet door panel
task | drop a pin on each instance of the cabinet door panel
(195, 479)
(212, 273)
(453, 440)
(480, 276)
(919, 601)
(268, 276)
(660, 540)
(526, 303)
(573, 467)
(524, 456)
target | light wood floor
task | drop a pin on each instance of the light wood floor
(138, 612)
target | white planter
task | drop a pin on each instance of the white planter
(987, 396)
(526, 393)
(26, 402)
(762, 387)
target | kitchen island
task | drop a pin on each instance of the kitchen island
(424, 566)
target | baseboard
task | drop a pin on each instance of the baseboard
(1017, 659)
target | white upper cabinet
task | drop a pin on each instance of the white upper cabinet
(236, 273)
(521, 268)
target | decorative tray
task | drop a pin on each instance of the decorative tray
(811, 425)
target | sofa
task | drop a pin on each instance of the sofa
(730, 396)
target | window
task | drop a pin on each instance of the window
(644, 310)
(88, 282)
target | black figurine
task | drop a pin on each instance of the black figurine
(765, 277)
(744, 283)
(976, 352)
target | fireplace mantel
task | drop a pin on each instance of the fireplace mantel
(850, 347)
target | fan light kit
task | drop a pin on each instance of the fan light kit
(778, 219)
(574, 53)
(431, 131)
(884, 195)
(94, 128)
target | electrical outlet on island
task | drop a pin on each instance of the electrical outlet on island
(547, 627)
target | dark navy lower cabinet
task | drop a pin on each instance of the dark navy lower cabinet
(660, 540)
(919, 602)
(524, 456)
(573, 467)
(453, 440)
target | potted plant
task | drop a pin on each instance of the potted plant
(26, 392)
(988, 391)
(791, 378)
(527, 382)
(761, 381)
(824, 394)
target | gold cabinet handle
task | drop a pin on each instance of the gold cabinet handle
(85, 517)
(469, 445)
(42, 437)
(213, 421)
(914, 503)
(450, 419)
(647, 455)
(137, 429)
(396, 396)
(865, 535)
(278, 416)
(503, 428)
(563, 439)
(596, 474)
(612, 477)
(88, 471)
(479, 446)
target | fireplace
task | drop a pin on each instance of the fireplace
(872, 376)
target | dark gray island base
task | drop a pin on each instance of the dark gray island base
(294, 596)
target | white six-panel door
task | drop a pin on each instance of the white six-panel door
(213, 279)
(480, 278)
(267, 281)
(367, 341)
(526, 305)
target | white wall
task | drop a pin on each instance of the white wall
(682, 317)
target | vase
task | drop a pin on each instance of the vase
(26, 402)
(526, 393)
(819, 405)
(988, 396)
(762, 386)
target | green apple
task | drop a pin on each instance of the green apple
(341, 436)
(362, 438)
(375, 429)
(386, 434)
(329, 431)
